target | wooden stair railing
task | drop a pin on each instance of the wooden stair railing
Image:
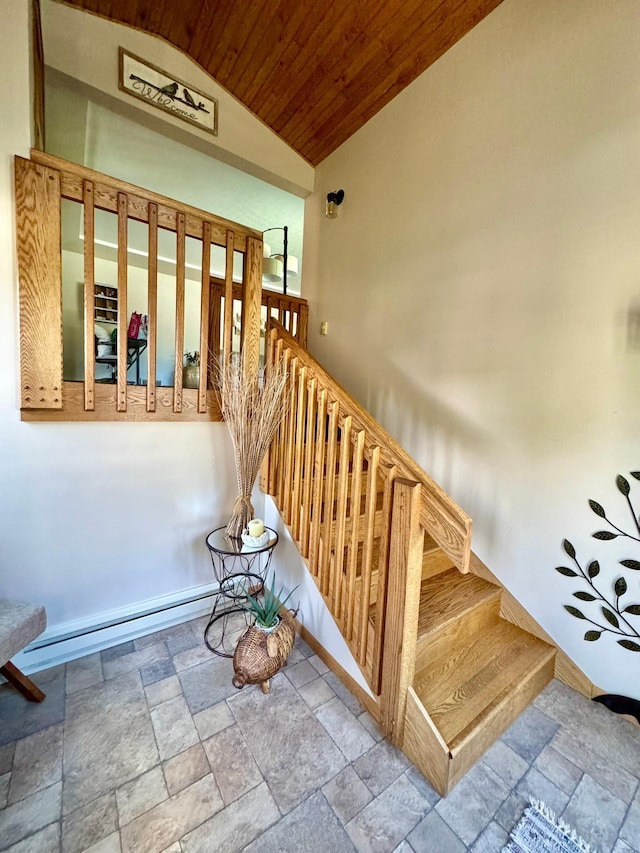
(359, 507)
(389, 552)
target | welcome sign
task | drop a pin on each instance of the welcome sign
(168, 93)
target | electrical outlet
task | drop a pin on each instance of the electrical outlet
(324, 328)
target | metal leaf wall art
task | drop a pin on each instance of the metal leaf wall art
(613, 613)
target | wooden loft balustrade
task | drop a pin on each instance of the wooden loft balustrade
(291, 312)
(41, 184)
(390, 554)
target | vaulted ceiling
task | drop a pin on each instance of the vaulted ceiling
(313, 70)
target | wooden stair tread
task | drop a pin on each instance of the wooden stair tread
(487, 671)
(449, 596)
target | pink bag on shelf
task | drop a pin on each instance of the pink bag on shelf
(134, 324)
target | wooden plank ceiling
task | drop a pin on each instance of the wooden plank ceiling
(313, 70)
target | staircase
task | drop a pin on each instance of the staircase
(390, 554)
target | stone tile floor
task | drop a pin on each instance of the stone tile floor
(148, 747)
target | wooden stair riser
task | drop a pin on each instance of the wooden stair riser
(451, 596)
(432, 645)
(435, 562)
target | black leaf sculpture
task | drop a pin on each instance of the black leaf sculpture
(610, 616)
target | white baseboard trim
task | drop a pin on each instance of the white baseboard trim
(68, 641)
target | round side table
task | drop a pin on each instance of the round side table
(239, 571)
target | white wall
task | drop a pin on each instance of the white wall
(93, 517)
(81, 128)
(85, 47)
(488, 254)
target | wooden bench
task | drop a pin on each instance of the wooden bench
(20, 623)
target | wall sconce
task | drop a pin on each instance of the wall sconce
(277, 267)
(334, 200)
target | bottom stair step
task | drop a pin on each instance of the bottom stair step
(485, 667)
(455, 712)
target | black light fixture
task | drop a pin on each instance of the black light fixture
(276, 267)
(334, 200)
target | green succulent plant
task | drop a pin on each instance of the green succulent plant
(266, 612)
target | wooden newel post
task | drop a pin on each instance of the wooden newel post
(403, 605)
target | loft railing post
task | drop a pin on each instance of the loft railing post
(205, 296)
(123, 324)
(89, 298)
(152, 302)
(227, 326)
(180, 293)
(402, 606)
(251, 306)
(39, 266)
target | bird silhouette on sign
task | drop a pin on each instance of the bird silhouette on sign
(170, 89)
(189, 99)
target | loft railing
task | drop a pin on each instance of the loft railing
(291, 312)
(41, 185)
(358, 508)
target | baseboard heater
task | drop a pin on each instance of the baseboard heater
(68, 641)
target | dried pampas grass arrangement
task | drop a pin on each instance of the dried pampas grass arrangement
(253, 408)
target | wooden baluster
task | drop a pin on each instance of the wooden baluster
(337, 575)
(301, 412)
(123, 321)
(285, 354)
(276, 447)
(403, 606)
(89, 299)
(152, 301)
(329, 494)
(303, 323)
(215, 313)
(180, 277)
(205, 292)
(320, 446)
(269, 460)
(349, 602)
(383, 559)
(227, 345)
(272, 303)
(367, 554)
(290, 443)
(309, 469)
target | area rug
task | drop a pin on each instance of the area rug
(540, 831)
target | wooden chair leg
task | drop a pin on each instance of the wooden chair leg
(22, 684)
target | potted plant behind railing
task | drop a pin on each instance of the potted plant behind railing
(191, 370)
(264, 647)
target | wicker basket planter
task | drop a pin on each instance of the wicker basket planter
(262, 652)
